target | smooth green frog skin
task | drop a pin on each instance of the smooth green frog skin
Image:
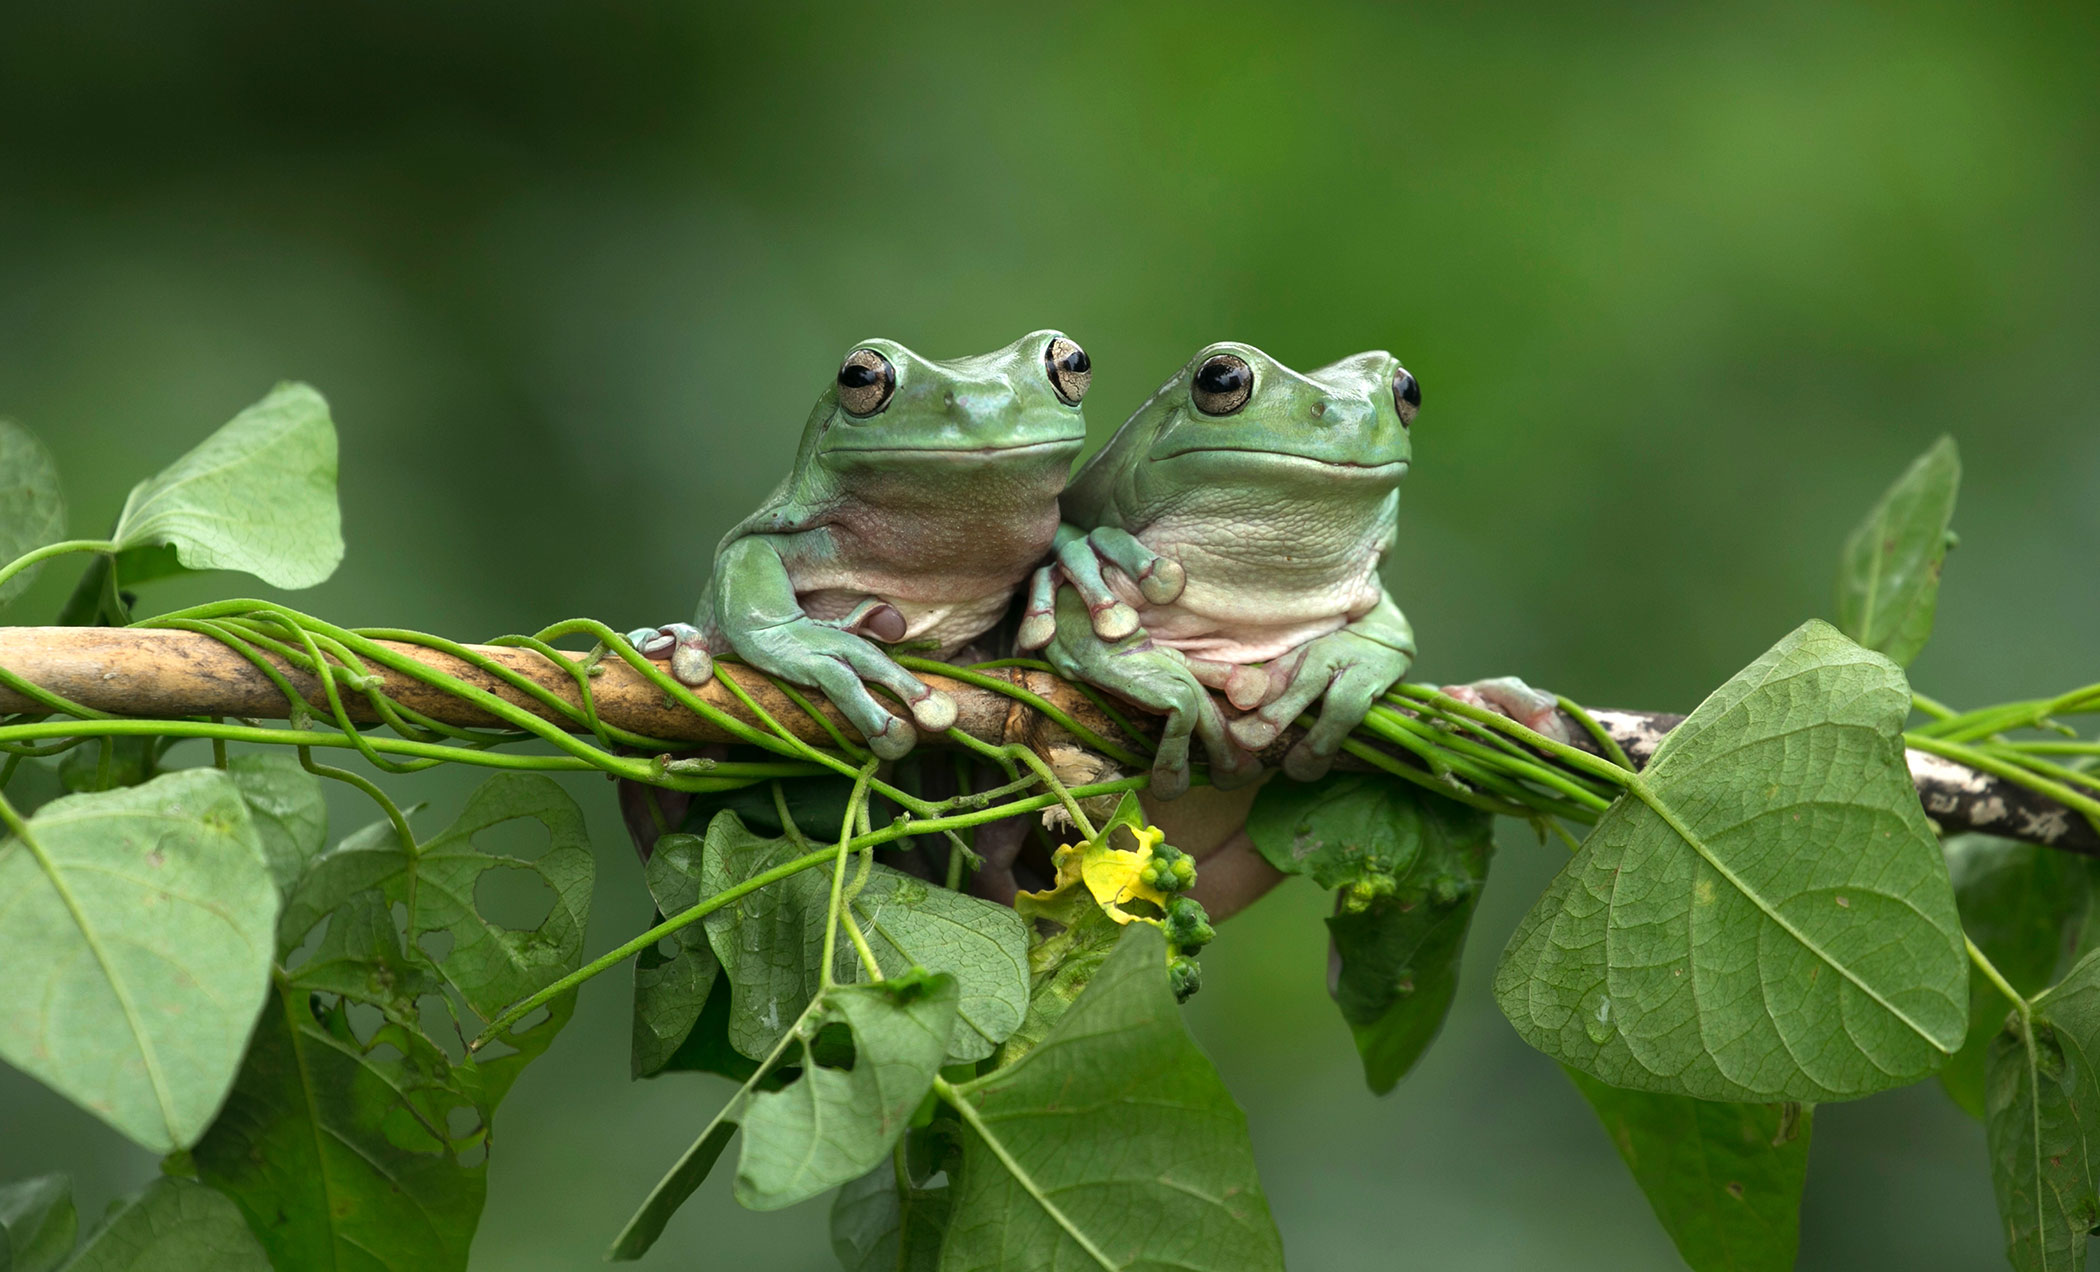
(1229, 538)
(923, 494)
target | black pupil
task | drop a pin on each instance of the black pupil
(1075, 362)
(856, 375)
(1221, 377)
(1410, 392)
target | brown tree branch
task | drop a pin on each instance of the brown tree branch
(145, 673)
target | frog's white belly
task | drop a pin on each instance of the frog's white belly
(1257, 592)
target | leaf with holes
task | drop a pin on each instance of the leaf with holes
(1889, 576)
(1111, 1144)
(284, 801)
(832, 1125)
(174, 1226)
(771, 942)
(32, 508)
(2024, 906)
(37, 1224)
(1765, 915)
(357, 1135)
(671, 988)
(2042, 1121)
(258, 496)
(1409, 866)
(878, 1226)
(1724, 1179)
(136, 925)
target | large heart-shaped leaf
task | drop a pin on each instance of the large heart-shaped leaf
(1724, 1179)
(174, 1226)
(771, 942)
(258, 495)
(290, 814)
(837, 1121)
(136, 927)
(32, 509)
(1111, 1144)
(878, 1225)
(1889, 576)
(1765, 915)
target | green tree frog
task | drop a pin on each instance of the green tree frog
(922, 495)
(1229, 537)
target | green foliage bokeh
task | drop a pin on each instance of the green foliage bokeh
(1684, 292)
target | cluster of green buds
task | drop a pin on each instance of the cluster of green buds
(1170, 869)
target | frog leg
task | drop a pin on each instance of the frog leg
(1039, 616)
(1345, 671)
(1159, 680)
(754, 608)
(1081, 558)
(1535, 709)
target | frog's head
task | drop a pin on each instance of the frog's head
(1234, 412)
(890, 406)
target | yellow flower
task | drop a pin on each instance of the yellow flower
(1113, 876)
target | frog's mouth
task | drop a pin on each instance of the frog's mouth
(962, 452)
(1346, 468)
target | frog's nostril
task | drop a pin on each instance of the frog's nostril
(1320, 409)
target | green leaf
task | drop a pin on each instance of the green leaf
(107, 764)
(2024, 906)
(1889, 576)
(174, 1226)
(876, 1226)
(1724, 1179)
(671, 987)
(290, 815)
(1397, 952)
(771, 942)
(358, 1133)
(136, 928)
(1765, 915)
(1344, 829)
(2042, 1120)
(670, 1193)
(835, 1123)
(1111, 1144)
(1409, 865)
(258, 496)
(32, 508)
(37, 1224)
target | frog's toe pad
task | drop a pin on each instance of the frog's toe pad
(894, 740)
(1037, 630)
(1114, 622)
(1163, 581)
(1252, 732)
(934, 712)
(691, 664)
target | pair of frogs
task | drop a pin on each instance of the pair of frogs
(1227, 538)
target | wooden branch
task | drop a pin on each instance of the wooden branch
(134, 672)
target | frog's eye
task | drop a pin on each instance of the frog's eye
(1223, 385)
(1407, 396)
(866, 381)
(1071, 371)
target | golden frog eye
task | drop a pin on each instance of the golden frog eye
(1223, 384)
(1071, 371)
(866, 380)
(1407, 396)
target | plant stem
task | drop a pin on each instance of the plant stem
(50, 550)
(1991, 974)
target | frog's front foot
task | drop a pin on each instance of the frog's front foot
(1081, 560)
(841, 665)
(1535, 709)
(1345, 673)
(691, 662)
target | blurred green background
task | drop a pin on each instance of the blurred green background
(1684, 289)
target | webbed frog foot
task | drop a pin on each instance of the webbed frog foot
(832, 657)
(692, 663)
(1344, 672)
(1080, 560)
(1535, 709)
